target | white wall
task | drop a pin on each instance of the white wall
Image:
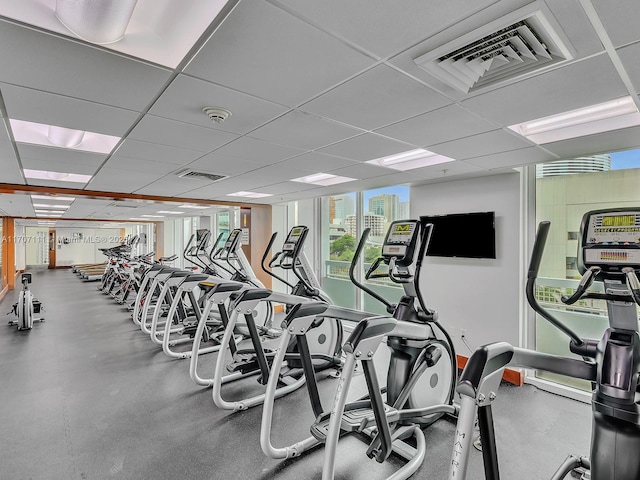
(36, 246)
(20, 247)
(480, 296)
(85, 249)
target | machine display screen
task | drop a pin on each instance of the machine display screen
(612, 239)
(614, 229)
(401, 233)
(294, 235)
(232, 238)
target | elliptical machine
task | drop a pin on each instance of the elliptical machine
(26, 307)
(293, 258)
(608, 252)
(421, 375)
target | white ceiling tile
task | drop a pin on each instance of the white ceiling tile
(362, 170)
(376, 98)
(593, 144)
(128, 164)
(263, 51)
(269, 176)
(223, 165)
(495, 141)
(54, 183)
(257, 151)
(76, 70)
(383, 30)
(515, 158)
(439, 126)
(629, 56)
(284, 187)
(117, 180)
(179, 134)
(576, 25)
(305, 131)
(155, 152)
(445, 170)
(59, 166)
(566, 88)
(316, 162)
(186, 97)
(366, 147)
(620, 19)
(59, 159)
(172, 185)
(11, 172)
(64, 111)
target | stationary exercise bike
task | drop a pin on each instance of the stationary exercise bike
(420, 379)
(608, 252)
(26, 307)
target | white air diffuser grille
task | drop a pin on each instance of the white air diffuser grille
(510, 48)
(201, 175)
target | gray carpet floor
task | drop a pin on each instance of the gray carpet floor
(86, 395)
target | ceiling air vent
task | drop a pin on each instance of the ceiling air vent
(122, 205)
(213, 177)
(512, 47)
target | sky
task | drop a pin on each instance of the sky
(624, 160)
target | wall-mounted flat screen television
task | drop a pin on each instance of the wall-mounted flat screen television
(467, 235)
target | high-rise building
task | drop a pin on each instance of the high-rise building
(572, 166)
(375, 222)
(403, 211)
(385, 205)
(340, 206)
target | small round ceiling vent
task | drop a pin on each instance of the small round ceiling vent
(216, 114)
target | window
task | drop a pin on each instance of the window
(344, 218)
(564, 192)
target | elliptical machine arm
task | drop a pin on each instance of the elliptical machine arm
(532, 274)
(352, 268)
(272, 263)
(214, 252)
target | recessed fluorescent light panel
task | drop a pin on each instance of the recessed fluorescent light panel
(53, 198)
(324, 179)
(138, 28)
(50, 212)
(602, 117)
(197, 207)
(153, 216)
(59, 137)
(170, 212)
(46, 205)
(249, 194)
(57, 176)
(411, 159)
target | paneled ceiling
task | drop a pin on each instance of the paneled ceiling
(312, 86)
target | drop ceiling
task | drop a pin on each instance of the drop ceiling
(312, 87)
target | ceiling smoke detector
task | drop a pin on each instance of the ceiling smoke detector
(216, 114)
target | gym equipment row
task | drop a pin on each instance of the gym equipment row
(226, 306)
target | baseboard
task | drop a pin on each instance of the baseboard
(62, 266)
(4, 291)
(515, 377)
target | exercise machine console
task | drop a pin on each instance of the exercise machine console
(608, 252)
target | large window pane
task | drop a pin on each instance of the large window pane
(339, 238)
(564, 192)
(344, 218)
(381, 207)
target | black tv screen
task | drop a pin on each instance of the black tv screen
(467, 235)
